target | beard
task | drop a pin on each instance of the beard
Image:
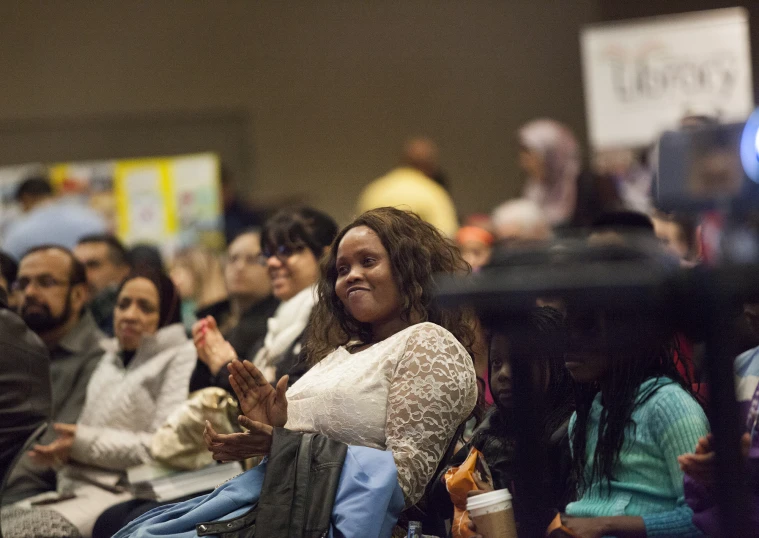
(43, 320)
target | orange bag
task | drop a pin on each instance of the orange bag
(471, 476)
(461, 480)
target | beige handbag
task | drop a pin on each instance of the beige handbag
(179, 442)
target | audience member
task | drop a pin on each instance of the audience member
(549, 158)
(53, 292)
(632, 174)
(625, 367)
(25, 393)
(47, 220)
(630, 227)
(8, 272)
(242, 317)
(145, 257)
(542, 345)
(413, 186)
(520, 222)
(106, 263)
(678, 234)
(423, 154)
(475, 244)
(293, 241)
(748, 327)
(376, 328)
(32, 192)
(197, 274)
(242, 320)
(700, 467)
(140, 380)
(621, 228)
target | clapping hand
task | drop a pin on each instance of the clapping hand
(239, 446)
(58, 452)
(259, 401)
(212, 348)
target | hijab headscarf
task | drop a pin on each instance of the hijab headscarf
(556, 193)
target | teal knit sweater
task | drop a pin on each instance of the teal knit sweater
(648, 480)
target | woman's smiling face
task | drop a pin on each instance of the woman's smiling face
(365, 283)
(291, 272)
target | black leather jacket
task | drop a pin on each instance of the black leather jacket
(298, 490)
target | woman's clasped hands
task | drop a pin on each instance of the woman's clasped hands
(264, 408)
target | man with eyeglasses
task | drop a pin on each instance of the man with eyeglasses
(53, 292)
(24, 384)
(106, 263)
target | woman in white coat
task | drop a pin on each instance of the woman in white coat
(143, 376)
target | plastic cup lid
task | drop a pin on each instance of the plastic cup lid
(487, 499)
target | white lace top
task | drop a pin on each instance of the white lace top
(407, 394)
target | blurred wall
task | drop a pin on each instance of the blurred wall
(303, 98)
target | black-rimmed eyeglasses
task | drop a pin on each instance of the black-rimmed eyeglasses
(282, 253)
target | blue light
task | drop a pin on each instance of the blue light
(750, 147)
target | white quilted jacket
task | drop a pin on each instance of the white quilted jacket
(125, 406)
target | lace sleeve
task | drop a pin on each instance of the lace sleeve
(433, 390)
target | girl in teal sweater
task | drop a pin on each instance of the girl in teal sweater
(635, 416)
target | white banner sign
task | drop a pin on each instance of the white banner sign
(641, 77)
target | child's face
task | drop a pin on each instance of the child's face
(586, 356)
(500, 372)
(476, 253)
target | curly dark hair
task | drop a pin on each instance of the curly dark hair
(417, 251)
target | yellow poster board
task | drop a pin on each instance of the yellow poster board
(167, 201)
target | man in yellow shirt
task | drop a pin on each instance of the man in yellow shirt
(410, 186)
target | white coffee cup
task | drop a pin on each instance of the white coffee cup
(493, 514)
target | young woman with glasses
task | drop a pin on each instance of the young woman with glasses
(292, 243)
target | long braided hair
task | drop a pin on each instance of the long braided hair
(637, 346)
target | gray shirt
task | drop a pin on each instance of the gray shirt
(71, 365)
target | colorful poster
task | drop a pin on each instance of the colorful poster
(171, 202)
(642, 76)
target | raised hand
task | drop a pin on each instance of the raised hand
(211, 346)
(239, 446)
(259, 401)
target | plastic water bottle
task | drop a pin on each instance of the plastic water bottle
(414, 529)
